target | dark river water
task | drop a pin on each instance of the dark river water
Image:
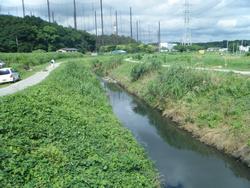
(182, 161)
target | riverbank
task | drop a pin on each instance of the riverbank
(214, 107)
(63, 133)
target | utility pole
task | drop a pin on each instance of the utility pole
(131, 23)
(75, 22)
(48, 10)
(116, 23)
(96, 33)
(137, 31)
(159, 36)
(101, 17)
(53, 17)
(96, 25)
(23, 8)
(17, 44)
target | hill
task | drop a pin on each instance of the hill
(32, 33)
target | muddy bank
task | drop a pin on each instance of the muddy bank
(220, 138)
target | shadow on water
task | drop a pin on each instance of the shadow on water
(182, 161)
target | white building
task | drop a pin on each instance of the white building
(166, 47)
(244, 48)
(65, 50)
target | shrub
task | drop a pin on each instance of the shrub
(176, 82)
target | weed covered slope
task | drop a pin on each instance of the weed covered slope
(214, 107)
(62, 133)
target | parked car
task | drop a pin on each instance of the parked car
(8, 75)
(118, 52)
(2, 64)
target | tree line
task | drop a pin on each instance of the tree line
(32, 33)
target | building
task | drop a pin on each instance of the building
(223, 50)
(244, 48)
(215, 49)
(67, 50)
(166, 47)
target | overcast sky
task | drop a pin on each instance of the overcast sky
(210, 20)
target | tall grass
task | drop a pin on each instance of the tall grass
(177, 81)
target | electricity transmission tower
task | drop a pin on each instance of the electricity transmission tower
(23, 8)
(187, 38)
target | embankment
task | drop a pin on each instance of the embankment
(214, 107)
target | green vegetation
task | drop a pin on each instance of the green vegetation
(141, 69)
(29, 63)
(210, 60)
(64, 134)
(205, 101)
(32, 33)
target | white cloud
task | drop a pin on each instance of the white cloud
(227, 23)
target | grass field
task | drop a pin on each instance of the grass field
(62, 133)
(212, 60)
(214, 106)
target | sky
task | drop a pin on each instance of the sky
(212, 20)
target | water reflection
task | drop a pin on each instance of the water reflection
(181, 160)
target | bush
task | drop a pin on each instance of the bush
(143, 68)
(176, 82)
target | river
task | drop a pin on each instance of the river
(182, 161)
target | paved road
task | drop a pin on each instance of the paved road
(31, 81)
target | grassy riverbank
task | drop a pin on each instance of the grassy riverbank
(62, 133)
(213, 106)
(208, 60)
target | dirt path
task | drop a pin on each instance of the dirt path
(31, 81)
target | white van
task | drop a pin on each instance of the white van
(8, 75)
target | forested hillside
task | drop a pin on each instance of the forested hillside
(32, 33)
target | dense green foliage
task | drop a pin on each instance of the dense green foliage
(194, 47)
(62, 133)
(32, 33)
(141, 69)
(177, 82)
